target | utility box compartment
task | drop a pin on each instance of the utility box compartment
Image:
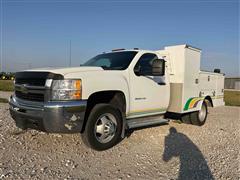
(188, 85)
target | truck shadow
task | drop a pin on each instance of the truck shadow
(192, 162)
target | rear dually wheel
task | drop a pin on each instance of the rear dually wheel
(196, 118)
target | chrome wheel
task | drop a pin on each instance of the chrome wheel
(202, 113)
(105, 128)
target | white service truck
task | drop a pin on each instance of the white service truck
(117, 91)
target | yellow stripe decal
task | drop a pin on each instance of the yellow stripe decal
(192, 102)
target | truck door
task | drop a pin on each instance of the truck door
(149, 95)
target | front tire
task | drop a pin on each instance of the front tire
(103, 128)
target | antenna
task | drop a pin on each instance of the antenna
(70, 53)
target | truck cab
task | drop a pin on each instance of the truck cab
(116, 91)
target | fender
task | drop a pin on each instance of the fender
(195, 104)
(199, 105)
(98, 81)
(113, 82)
(104, 80)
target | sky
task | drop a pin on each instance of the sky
(37, 33)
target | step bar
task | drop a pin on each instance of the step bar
(145, 122)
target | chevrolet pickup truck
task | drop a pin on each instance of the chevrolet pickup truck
(117, 91)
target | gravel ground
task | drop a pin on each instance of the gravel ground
(5, 94)
(165, 152)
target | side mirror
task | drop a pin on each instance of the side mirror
(158, 67)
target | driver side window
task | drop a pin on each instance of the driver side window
(145, 61)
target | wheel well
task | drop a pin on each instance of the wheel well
(209, 101)
(115, 98)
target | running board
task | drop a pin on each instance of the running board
(144, 122)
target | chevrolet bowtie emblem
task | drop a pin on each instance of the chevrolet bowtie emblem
(23, 89)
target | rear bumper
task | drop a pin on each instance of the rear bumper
(53, 117)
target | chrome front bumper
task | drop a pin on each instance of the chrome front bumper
(53, 117)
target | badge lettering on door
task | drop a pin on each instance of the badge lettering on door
(143, 98)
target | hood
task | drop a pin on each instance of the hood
(65, 71)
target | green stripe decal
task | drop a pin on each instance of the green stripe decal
(187, 104)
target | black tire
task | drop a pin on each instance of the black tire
(185, 118)
(90, 135)
(195, 116)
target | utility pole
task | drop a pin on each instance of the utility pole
(70, 54)
(1, 36)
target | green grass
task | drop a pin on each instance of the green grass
(232, 98)
(2, 100)
(6, 85)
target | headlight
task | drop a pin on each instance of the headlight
(66, 90)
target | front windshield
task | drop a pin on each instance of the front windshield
(112, 61)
